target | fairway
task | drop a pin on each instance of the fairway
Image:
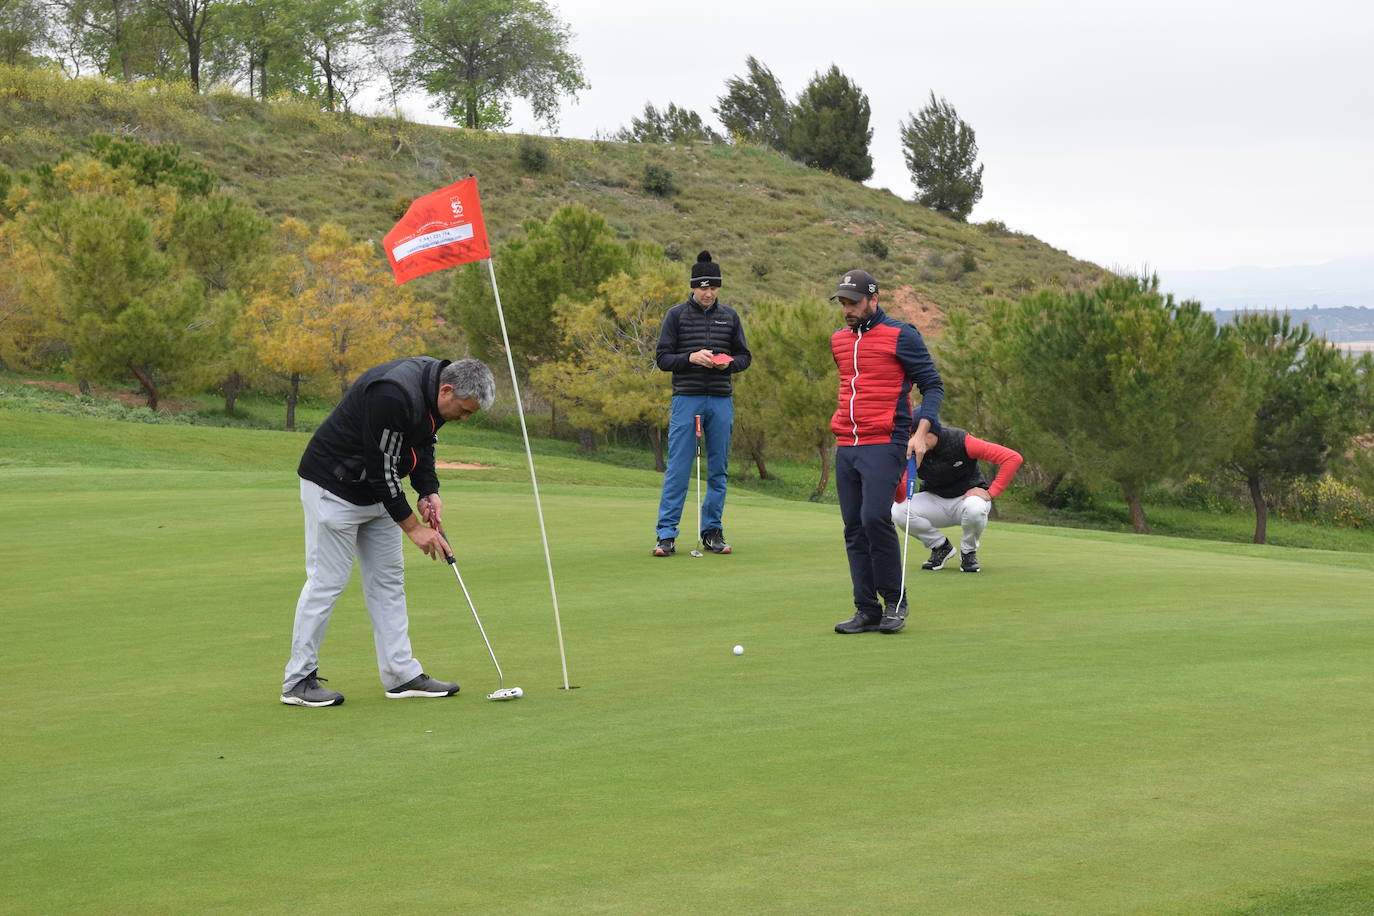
(1096, 724)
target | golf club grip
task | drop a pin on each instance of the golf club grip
(448, 548)
(910, 476)
(698, 419)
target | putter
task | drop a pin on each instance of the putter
(696, 551)
(906, 540)
(502, 692)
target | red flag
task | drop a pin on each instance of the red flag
(442, 229)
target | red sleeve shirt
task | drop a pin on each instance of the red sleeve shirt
(1008, 462)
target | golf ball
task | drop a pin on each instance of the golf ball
(518, 692)
(739, 650)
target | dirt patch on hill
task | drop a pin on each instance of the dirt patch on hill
(906, 303)
(464, 466)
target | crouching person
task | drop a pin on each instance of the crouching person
(953, 492)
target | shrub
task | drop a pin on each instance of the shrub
(759, 269)
(1071, 494)
(873, 244)
(658, 180)
(996, 228)
(1328, 501)
(534, 155)
(968, 262)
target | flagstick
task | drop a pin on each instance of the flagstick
(520, 408)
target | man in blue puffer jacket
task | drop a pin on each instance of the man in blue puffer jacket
(702, 343)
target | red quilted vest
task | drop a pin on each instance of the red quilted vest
(871, 383)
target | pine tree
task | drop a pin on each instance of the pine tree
(941, 154)
(1133, 386)
(1305, 397)
(754, 108)
(830, 127)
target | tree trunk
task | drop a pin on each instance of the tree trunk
(193, 59)
(757, 454)
(1047, 492)
(553, 419)
(291, 395)
(825, 473)
(1138, 520)
(83, 385)
(149, 389)
(328, 79)
(1261, 509)
(119, 42)
(231, 388)
(656, 438)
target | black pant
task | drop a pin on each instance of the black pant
(866, 477)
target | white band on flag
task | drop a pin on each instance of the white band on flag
(433, 240)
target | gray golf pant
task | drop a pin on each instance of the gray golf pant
(930, 513)
(335, 532)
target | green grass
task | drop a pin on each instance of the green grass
(1098, 723)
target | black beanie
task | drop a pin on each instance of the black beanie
(705, 272)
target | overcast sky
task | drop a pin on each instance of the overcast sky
(1173, 134)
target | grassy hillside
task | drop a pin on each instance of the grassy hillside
(1098, 723)
(779, 229)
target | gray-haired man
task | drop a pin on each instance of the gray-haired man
(351, 474)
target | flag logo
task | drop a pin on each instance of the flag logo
(441, 229)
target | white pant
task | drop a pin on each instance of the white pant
(335, 532)
(929, 513)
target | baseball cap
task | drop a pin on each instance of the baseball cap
(857, 284)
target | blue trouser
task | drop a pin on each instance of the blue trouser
(866, 476)
(717, 422)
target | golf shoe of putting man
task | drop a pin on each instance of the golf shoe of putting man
(953, 492)
(382, 431)
(701, 342)
(879, 360)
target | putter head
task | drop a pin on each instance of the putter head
(698, 553)
(506, 693)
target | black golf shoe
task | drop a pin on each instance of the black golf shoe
(893, 620)
(938, 556)
(665, 547)
(713, 539)
(968, 562)
(308, 692)
(422, 686)
(859, 623)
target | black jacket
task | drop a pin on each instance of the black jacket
(688, 328)
(947, 470)
(380, 433)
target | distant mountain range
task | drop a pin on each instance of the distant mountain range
(1346, 282)
(1334, 299)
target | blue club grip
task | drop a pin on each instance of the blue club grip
(910, 476)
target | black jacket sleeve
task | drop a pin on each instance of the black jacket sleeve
(666, 356)
(386, 457)
(423, 479)
(739, 349)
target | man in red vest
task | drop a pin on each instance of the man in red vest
(879, 359)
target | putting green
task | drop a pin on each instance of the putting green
(1096, 723)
